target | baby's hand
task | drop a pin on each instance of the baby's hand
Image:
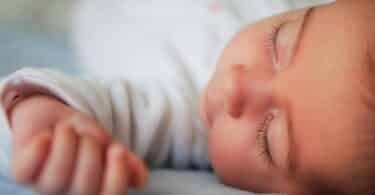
(59, 150)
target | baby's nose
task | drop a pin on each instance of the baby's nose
(234, 92)
(244, 92)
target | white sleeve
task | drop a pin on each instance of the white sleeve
(155, 119)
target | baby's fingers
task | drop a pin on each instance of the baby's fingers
(58, 168)
(28, 161)
(89, 167)
(137, 169)
(123, 170)
(86, 126)
(116, 173)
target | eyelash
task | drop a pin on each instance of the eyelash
(271, 41)
(262, 137)
(262, 130)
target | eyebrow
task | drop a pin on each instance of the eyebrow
(291, 158)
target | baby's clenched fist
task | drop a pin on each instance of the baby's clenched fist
(60, 150)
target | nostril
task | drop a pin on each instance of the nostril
(234, 106)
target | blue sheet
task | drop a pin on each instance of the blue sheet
(18, 49)
(162, 182)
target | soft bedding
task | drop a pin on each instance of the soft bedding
(162, 182)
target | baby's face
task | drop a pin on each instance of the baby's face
(289, 101)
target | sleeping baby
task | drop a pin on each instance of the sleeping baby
(286, 104)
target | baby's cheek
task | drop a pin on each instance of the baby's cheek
(228, 150)
(222, 152)
(221, 162)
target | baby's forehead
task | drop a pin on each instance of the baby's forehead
(352, 23)
(357, 14)
(346, 32)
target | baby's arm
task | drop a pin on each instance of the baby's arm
(153, 118)
(156, 118)
(61, 139)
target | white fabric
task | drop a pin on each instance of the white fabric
(148, 61)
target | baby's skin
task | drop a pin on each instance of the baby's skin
(66, 151)
(291, 104)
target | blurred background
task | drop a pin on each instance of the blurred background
(36, 33)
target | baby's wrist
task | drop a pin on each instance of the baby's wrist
(14, 94)
(31, 103)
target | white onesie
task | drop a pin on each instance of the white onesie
(145, 64)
